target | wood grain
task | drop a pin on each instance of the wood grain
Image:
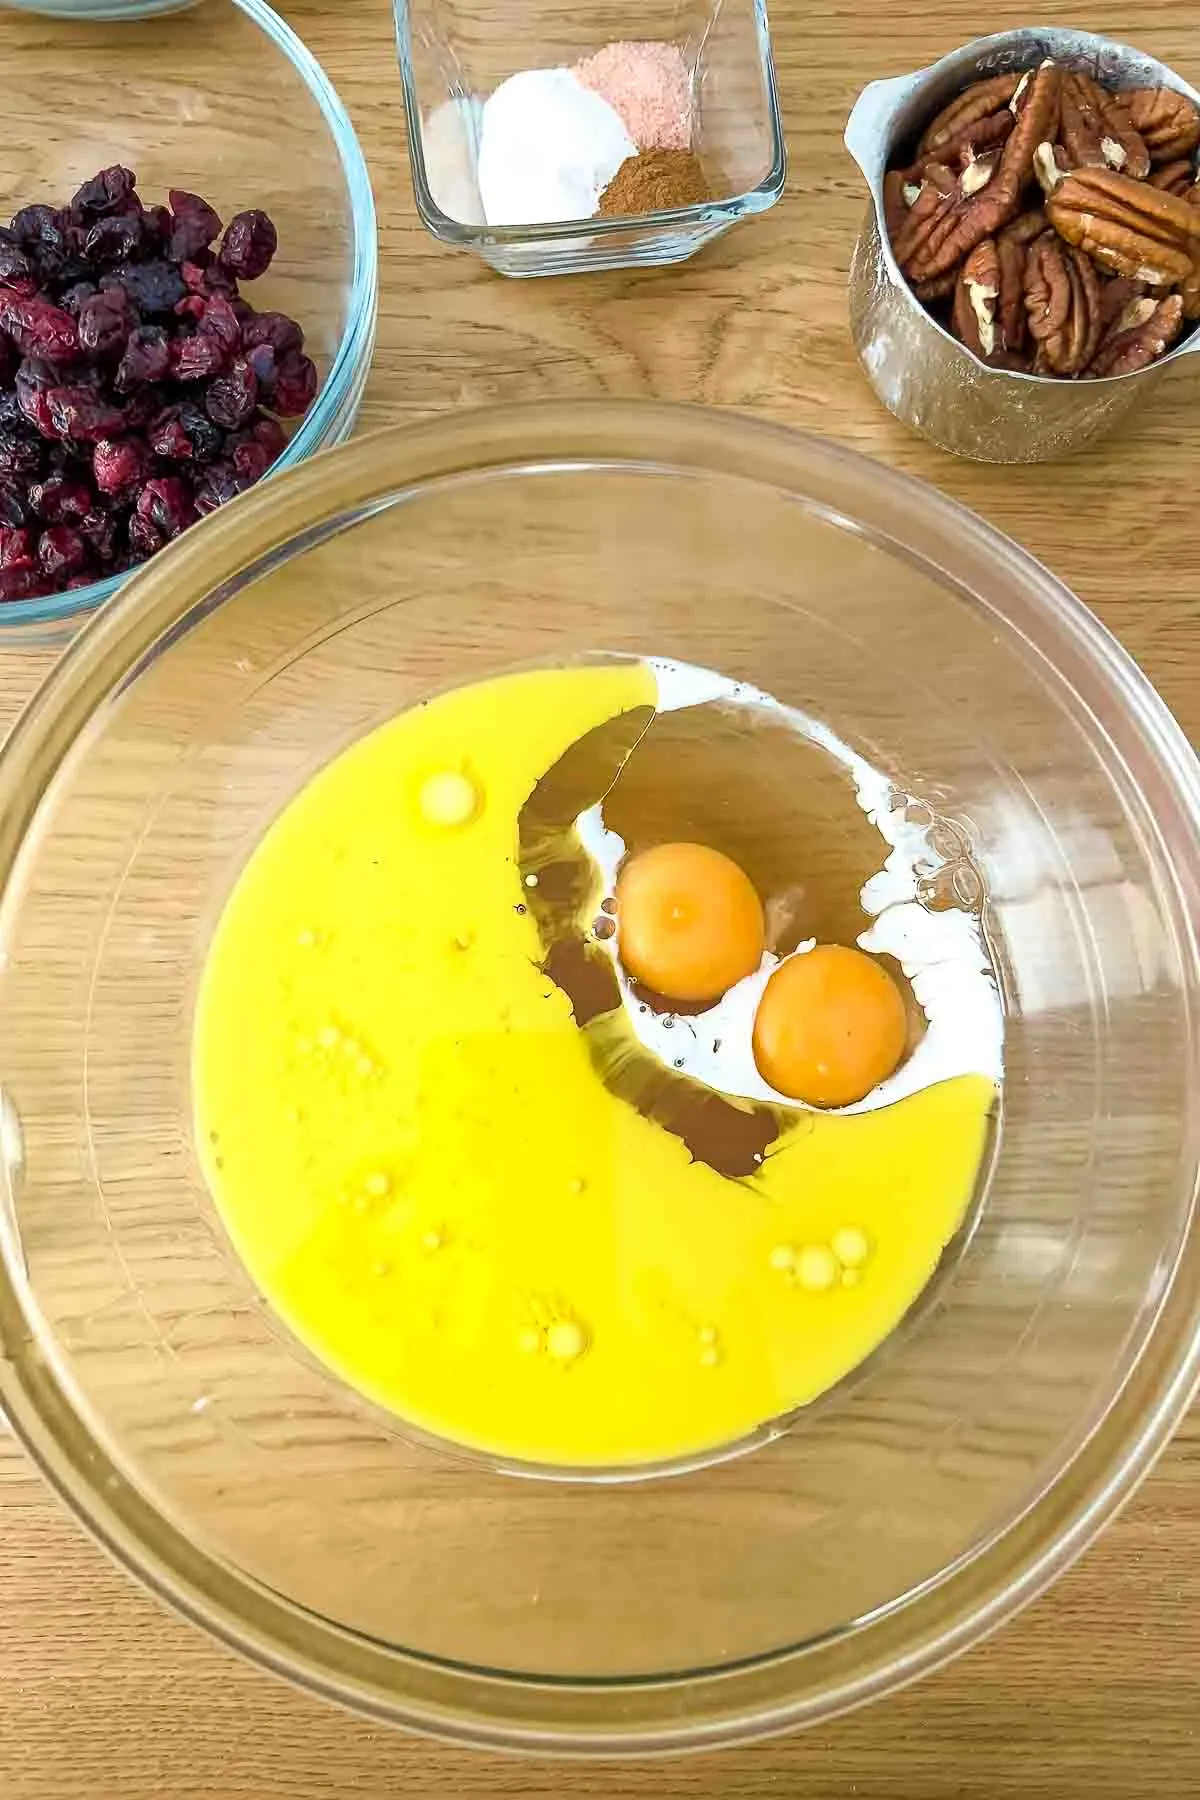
(1096, 1690)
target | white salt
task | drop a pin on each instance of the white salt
(548, 148)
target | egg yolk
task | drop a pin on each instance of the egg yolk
(831, 1025)
(689, 922)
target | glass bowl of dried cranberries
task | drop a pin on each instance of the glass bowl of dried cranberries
(187, 286)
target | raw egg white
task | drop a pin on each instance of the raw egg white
(944, 955)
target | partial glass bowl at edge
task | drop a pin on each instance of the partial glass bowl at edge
(230, 104)
(453, 55)
(919, 1504)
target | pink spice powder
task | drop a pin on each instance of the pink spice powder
(647, 84)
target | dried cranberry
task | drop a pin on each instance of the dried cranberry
(21, 453)
(254, 450)
(154, 286)
(249, 245)
(204, 276)
(16, 548)
(38, 225)
(119, 467)
(273, 328)
(99, 531)
(144, 538)
(53, 267)
(156, 225)
(72, 298)
(105, 322)
(113, 240)
(167, 503)
(34, 380)
(79, 416)
(185, 434)
(107, 192)
(207, 439)
(37, 328)
(19, 584)
(232, 398)
(251, 462)
(220, 485)
(262, 361)
(60, 501)
(143, 406)
(168, 439)
(219, 321)
(16, 270)
(45, 236)
(296, 383)
(14, 506)
(271, 435)
(194, 225)
(147, 358)
(199, 357)
(61, 552)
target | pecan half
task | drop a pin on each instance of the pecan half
(1116, 297)
(976, 171)
(989, 134)
(1143, 333)
(973, 110)
(1167, 121)
(942, 228)
(1097, 132)
(1012, 252)
(1121, 135)
(1062, 304)
(922, 209)
(1126, 225)
(976, 297)
(1036, 105)
(1050, 165)
(1175, 177)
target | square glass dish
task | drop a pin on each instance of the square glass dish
(454, 53)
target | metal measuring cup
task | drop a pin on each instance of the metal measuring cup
(921, 373)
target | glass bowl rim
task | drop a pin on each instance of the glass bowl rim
(357, 335)
(970, 1596)
(481, 238)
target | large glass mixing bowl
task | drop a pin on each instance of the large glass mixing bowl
(890, 1525)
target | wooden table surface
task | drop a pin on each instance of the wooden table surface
(1095, 1691)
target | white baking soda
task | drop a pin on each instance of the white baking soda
(548, 148)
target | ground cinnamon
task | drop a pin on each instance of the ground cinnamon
(652, 181)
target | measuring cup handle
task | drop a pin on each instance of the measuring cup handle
(868, 128)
